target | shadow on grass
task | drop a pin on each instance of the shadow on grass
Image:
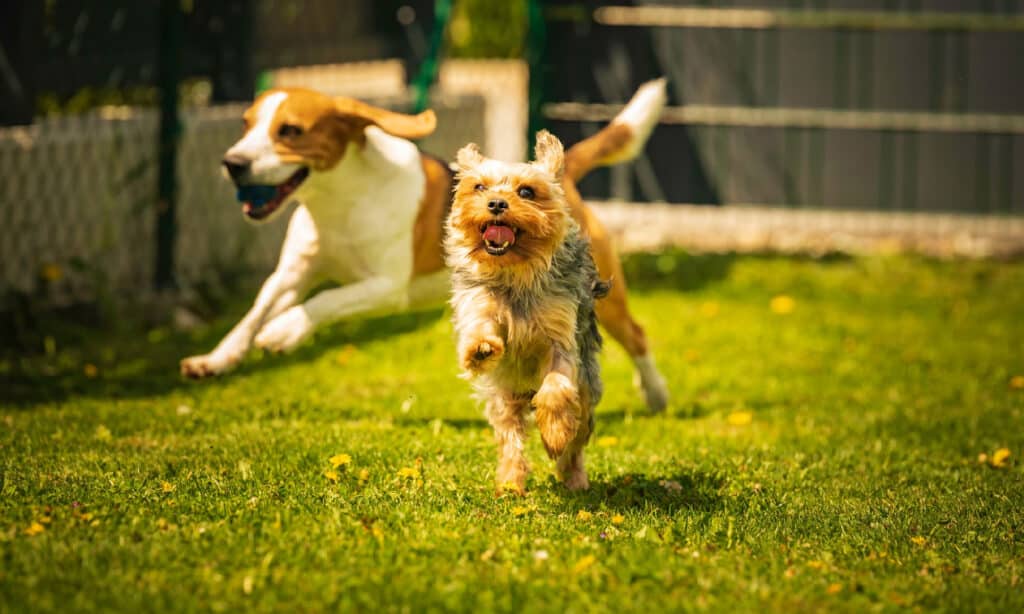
(121, 365)
(682, 490)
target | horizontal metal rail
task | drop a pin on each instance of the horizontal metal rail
(712, 115)
(761, 19)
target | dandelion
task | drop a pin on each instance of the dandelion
(103, 433)
(340, 460)
(919, 540)
(709, 309)
(1017, 382)
(782, 304)
(1000, 458)
(618, 519)
(411, 473)
(740, 418)
(584, 564)
(34, 529)
(166, 487)
(364, 475)
(520, 510)
(331, 475)
(52, 272)
(607, 442)
(834, 588)
(583, 515)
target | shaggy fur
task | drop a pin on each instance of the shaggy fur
(524, 307)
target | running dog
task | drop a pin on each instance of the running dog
(371, 217)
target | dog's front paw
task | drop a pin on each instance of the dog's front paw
(481, 354)
(558, 408)
(207, 365)
(285, 332)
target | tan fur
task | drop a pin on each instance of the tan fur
(517, 317)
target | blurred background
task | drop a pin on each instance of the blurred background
(794, 125)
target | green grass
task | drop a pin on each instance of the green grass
(855, 485)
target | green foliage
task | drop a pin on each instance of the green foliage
(487, 29)
(821, 453)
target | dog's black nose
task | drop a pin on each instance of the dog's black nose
(497, 206)
(236, 165)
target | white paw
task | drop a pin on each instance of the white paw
(651, 384)
(205, 366)
(285, 332)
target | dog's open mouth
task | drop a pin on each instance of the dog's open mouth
(259, 201)
(499, 237)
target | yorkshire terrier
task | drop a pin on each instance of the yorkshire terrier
(523, 291)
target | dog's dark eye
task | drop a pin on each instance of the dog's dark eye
(526, 192)
(288, 131)
(479, 187)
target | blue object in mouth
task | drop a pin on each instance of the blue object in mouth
(256, 195)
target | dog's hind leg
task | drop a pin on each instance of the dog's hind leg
(613, 314)
(430, 289)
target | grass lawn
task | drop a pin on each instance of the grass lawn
(821, 452)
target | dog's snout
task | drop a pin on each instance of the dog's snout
(236, 165)
(497, 206)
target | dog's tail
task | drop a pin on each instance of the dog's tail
(622, 139)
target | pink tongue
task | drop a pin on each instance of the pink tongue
(500, 234)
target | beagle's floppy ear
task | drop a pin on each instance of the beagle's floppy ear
(549, 154)
(469, 157)
(396, 124)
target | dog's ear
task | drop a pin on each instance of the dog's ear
(397, 124)
(549, 154)
(469, 157)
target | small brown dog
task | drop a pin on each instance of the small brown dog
(523, 291)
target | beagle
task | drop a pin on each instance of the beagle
(371, 215)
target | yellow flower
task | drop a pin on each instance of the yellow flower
(52, 272)
(1017, 382)
(583, 515)
(520, 510)
(339, 460)
(740, 418)
(364, 475)
(782, 304)
(607, 442)
(90, 370)
(409, 472)
(618, 519)
(709, 309)
(1000, 458)
(331, 475)
(585, 563)
(166, 487)
(377, 532)
(103, 433)
(834, 588)
(918, 540)
(34, 529)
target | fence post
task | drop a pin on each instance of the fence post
(169, 66)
